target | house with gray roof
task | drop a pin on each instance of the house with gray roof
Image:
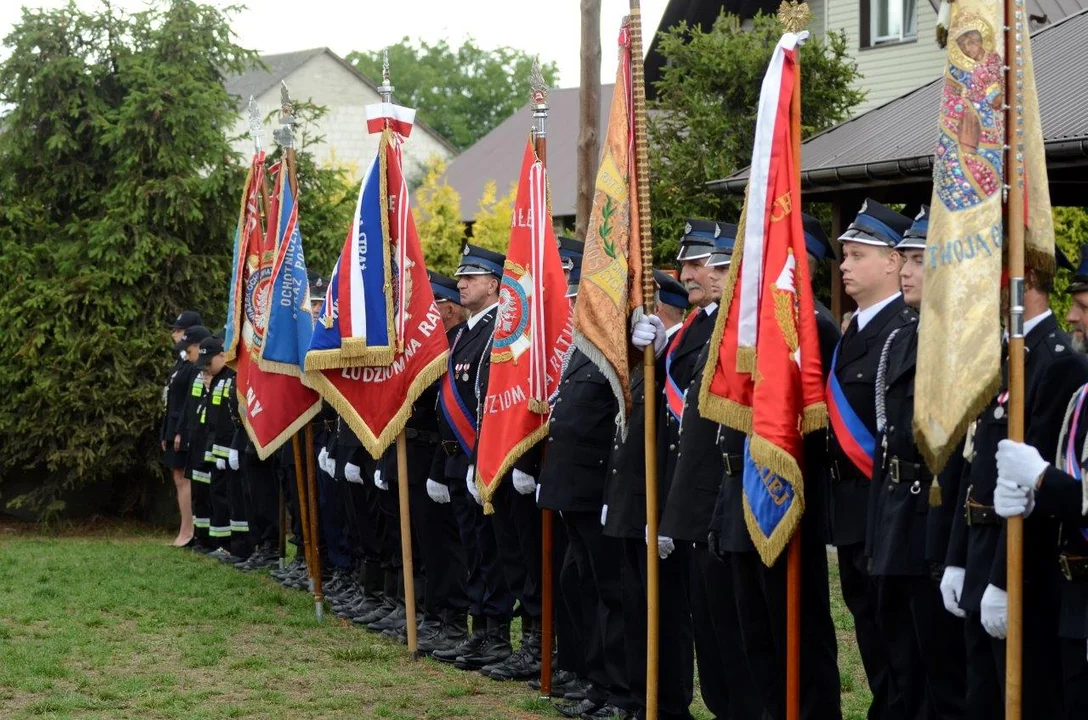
(323, 77)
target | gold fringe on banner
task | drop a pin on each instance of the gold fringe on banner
(265, 452)
(773, 458)
(507, 465)
(376, 445)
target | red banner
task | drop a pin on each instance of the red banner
(376, 401)
(274, 407)
(532, 335)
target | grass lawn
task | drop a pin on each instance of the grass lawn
(114, 624)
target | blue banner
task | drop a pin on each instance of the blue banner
(289, 325)
(767, 497)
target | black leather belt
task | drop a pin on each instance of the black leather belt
(844, 471)
(425, 436)
(734, 464)
(451, 447)
(899, 471)
(1074, 567)
(977, 514)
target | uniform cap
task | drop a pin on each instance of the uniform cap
(209, 348)
(723, 245)
(187, 319)
(444, 288)
(192, 336)
(697, 242)
(569, 251)
(915, 237)
(876, 225)
(478, 261)
(671, 291)
(816, 242)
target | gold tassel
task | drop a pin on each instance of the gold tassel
(814, 418)
(538, 406)
(934, 493)
(746, 360)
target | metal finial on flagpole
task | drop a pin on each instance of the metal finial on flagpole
(794, 16)
(386, 89)
(284, 135)
(539, 97)
(255, 124)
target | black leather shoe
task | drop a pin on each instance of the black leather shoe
(376, 614)
(608, 712)
(389, 621)
(494, 649)
(521, 665)
(560, 678)
(578, 709)
(452, 632)
(468, 646)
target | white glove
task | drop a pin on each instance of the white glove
(649, 329)
(604, 515)
(665, 545)
(1019, 463)
(952, 590)
(994, 612)
(234, 461)
(322, 459)
(524, 483)
(1011, 500)
(378, 481)
(438, 492)
(182, 354)
(470, 483)
(353, 473)
(220, 464)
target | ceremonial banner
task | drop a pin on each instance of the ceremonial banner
(273, 406)
(726, 394)
(531, 339)
(376, 400)
(356, 326)
(290, 325)
(610, 290)
(959, 343)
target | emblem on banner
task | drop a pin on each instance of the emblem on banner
(513, 327)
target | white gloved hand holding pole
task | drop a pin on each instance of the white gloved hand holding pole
(665, 545)
(1011, 500)
(952, 590)
(1020, 464)
(438, 492)
(649, 329)
(470, 483)
(524, 483)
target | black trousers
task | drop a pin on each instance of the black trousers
(984, 697)
(262, 494)
(859, 592)
(569, 617)
(600, 604)
(241, 544)
(676, 659)
(202, 511)
(517, 530)
(440, 551)
(219, 498)
(1075, 678)
(925, 649)
(332, 521)
(486, 587)
(726, 681)
(1042, 676)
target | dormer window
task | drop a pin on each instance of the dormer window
(888, 21)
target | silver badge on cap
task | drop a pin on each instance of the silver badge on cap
(687, 228)
(864, 206)
(465, 251)
(717, 230)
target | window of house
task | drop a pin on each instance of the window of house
(888, 21)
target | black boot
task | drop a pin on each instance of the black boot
(452, 631)
(494, 649)
(470, 644)
(522, 664)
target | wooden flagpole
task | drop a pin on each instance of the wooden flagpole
(539, 99)
(285, 137)
(794, 17)
(642, 178)
(407, 566)
(1015, 22)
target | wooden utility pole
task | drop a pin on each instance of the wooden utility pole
(589, 115)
